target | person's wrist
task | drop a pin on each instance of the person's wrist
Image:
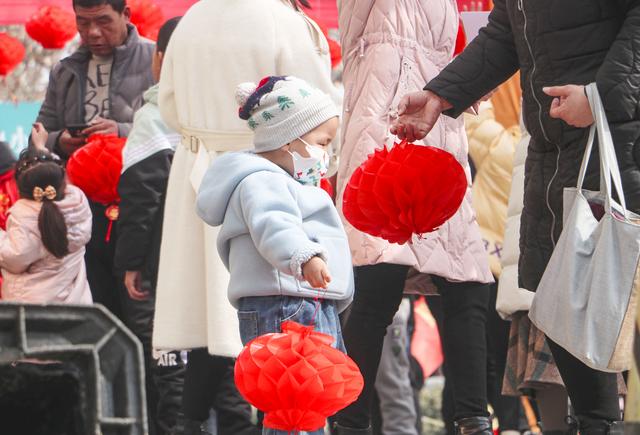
(57, 146)
(440, 103)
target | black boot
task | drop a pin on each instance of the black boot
(474, 426)
(341, 430)
(596, 426)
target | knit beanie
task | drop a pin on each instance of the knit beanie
(281, 109)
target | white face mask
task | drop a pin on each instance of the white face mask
(309, 170)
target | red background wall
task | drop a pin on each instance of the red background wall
(17, 11)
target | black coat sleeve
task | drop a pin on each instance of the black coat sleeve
(488, 61)
(618, 78)
(142, 190)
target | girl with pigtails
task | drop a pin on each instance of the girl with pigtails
(42, 249)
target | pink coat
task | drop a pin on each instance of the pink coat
(391, 48)
(31, 273)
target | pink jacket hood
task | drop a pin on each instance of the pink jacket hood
(393, 47)
(30, 272)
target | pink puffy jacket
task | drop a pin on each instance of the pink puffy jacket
(391, 48)
(31, 273)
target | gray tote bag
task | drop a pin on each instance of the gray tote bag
(586, 300)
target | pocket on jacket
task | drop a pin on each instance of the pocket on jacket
(339, 264)
(248, 322)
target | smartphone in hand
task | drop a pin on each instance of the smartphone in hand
(76, 130)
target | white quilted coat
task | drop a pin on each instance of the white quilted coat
(512, 298)
(391, 48)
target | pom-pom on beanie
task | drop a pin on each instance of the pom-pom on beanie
(281, 109)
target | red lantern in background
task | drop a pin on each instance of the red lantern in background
(411, 189)
(147, 17)
(11, 53)
(327, 186)
(335, 51)
(52, 27)
(95, 168)
(296, 378)
(461, 40)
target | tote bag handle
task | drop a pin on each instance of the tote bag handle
(609, 169)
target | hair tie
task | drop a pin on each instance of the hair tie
(40, 194)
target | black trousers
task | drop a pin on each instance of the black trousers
(209, 383)
(164, 375)
(164, 371)
(506, 408)
(106, 287)
(593, 394)
(379, 290)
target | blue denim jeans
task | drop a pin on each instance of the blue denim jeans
(264, 314)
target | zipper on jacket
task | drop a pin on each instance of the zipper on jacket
(544, 133)
(82, 83)
(113, 63)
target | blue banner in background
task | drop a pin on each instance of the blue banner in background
(15, 123)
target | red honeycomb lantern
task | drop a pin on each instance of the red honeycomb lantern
(52, 27)
(411, 189)
(95, 168)
(11, 53)
(296, 378)
(147, 17)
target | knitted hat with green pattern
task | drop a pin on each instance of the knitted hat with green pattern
(281, 109)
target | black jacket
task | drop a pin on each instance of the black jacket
(143, 189)
(556, 42)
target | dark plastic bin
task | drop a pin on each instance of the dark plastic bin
(85, 345)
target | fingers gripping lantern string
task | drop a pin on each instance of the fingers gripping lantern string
(40, 194)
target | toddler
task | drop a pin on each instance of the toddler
(281, 237)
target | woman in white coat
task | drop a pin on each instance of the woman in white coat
(218, 44)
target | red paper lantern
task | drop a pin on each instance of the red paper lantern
(95, 168)
(52, 27)
(335, 52)
(297, 378)
(326, 186)
(147, 17)
(408, 190)
(11, 53)
(461, 39)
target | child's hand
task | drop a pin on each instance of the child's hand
(39, 136)
(316, 272)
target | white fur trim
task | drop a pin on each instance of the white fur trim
(300, 257)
